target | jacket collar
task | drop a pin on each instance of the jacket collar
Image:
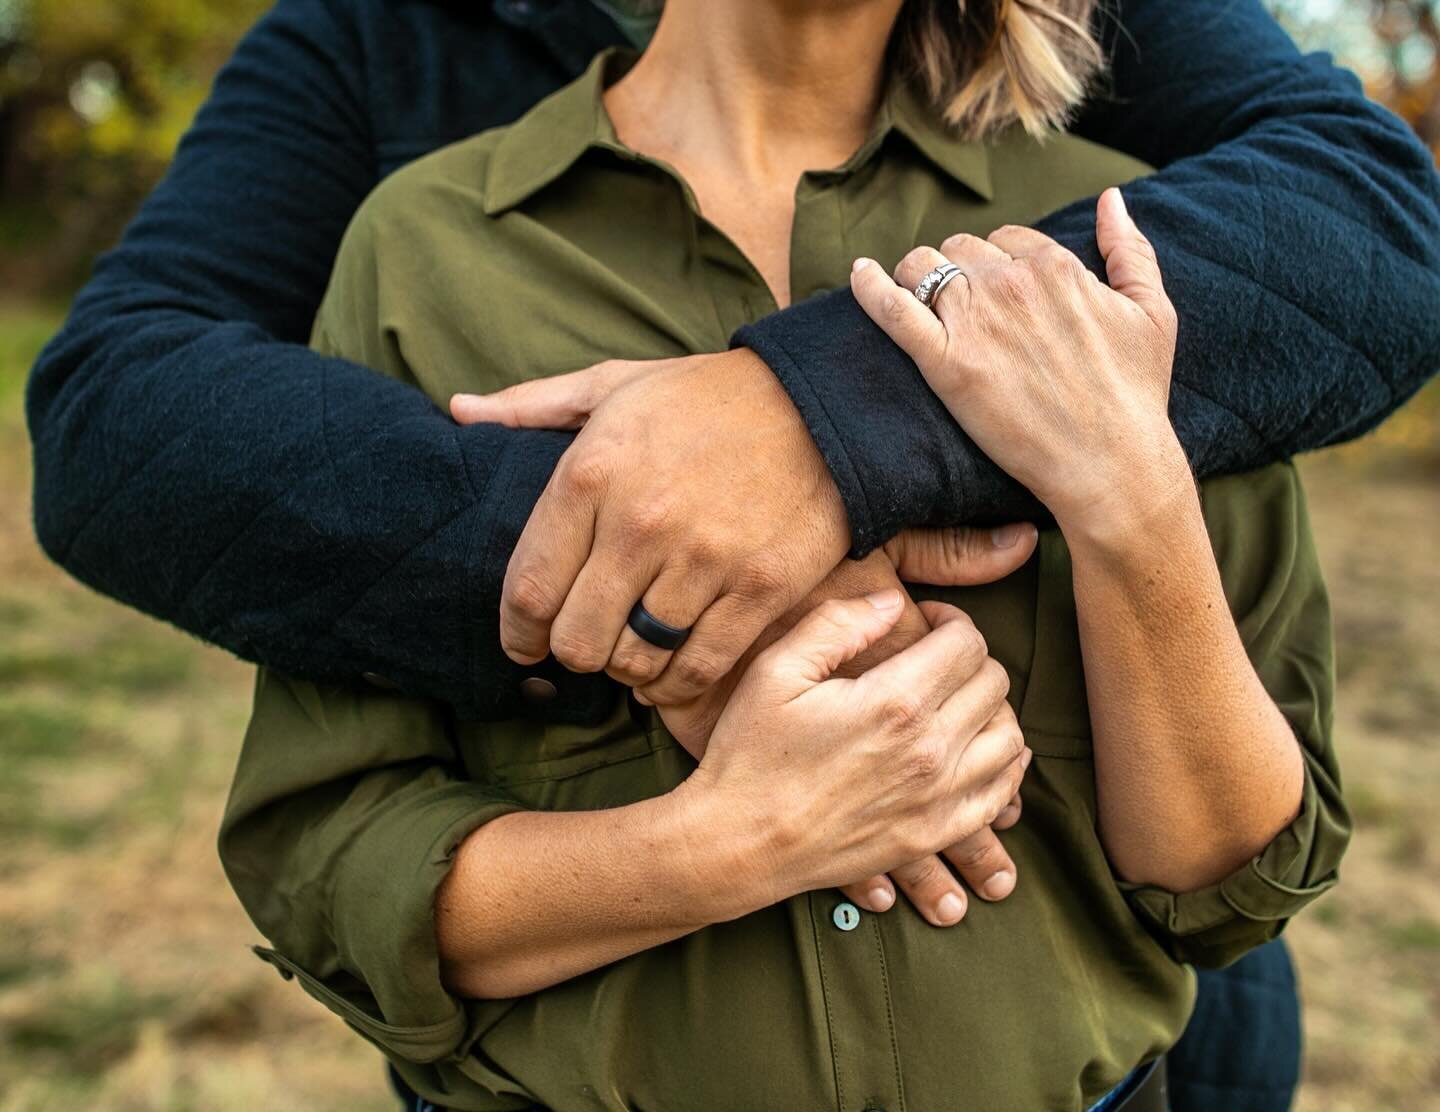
(553, 136)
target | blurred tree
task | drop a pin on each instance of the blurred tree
(94, 95)
(1394, 45)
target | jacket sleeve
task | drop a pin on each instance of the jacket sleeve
(192, 459)
(1298, 226)
(1260, 527)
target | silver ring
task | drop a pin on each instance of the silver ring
(930, 286)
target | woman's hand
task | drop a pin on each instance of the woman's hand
(844, 779)
(1061, 380)
(944, 557)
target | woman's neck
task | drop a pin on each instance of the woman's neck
(767, 88)
(743, 96)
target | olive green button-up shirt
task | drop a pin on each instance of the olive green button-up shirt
(546, 246)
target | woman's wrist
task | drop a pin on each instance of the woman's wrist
(1142, 503)
(724, 865)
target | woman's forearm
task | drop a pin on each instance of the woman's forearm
(1196, 769)
(536, 898)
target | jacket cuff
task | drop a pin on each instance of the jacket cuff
(897, 456)
(1216, 925)
(487, 682)
(388, 986)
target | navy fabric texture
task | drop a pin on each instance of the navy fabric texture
(1241, 1051)
(193, 460)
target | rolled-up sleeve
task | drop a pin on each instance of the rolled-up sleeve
(346, 811)
(1260, 527)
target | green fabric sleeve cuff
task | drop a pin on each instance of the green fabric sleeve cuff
(388, 987)
(1217, 925)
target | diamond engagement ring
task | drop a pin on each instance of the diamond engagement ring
(930, 286)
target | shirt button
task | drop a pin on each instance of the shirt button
(375, 679)
(536, 689)
(846, 916)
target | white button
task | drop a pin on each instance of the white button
(846, 917)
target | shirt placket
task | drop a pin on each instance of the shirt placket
(855, 982)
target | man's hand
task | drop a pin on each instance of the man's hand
(944, 557)
(694, 486)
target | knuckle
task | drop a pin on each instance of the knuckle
(1056, 260)
(634, 666)
(959, 546)
(916, 261)
(927, 872)
(704, 549)
(576, 652)
(532, 596)
(894, 307)
(586, 475)
(1014, 742)
(996, 677)
(1018, 285)
(1014, 776)
(960, 241)
(697, 670)
(914, 843)
(1142, 246)
(925, 762)
(764, 578)
(643, 522)
(904, 715)
(973, 643)
(976, 854)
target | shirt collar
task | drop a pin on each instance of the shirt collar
(548, 140)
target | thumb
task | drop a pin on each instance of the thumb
(960, 557)
(558, 402)
(1130, 260)
(833, 633)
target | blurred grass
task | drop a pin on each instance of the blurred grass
(125, 982)
(125, 978)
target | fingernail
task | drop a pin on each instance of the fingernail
(1006, 536)
(884, 600)
(1025, 759)
(998, 886)
(881, 899)
(950, 909)
(641, 699)
(860, 264)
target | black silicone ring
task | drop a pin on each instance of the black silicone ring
(649, 628)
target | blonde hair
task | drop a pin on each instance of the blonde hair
(986, 64)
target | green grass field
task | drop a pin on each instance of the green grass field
(125, 979)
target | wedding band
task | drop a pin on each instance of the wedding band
(928, 291)
(651, 629)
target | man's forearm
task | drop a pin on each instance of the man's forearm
(192, 460)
